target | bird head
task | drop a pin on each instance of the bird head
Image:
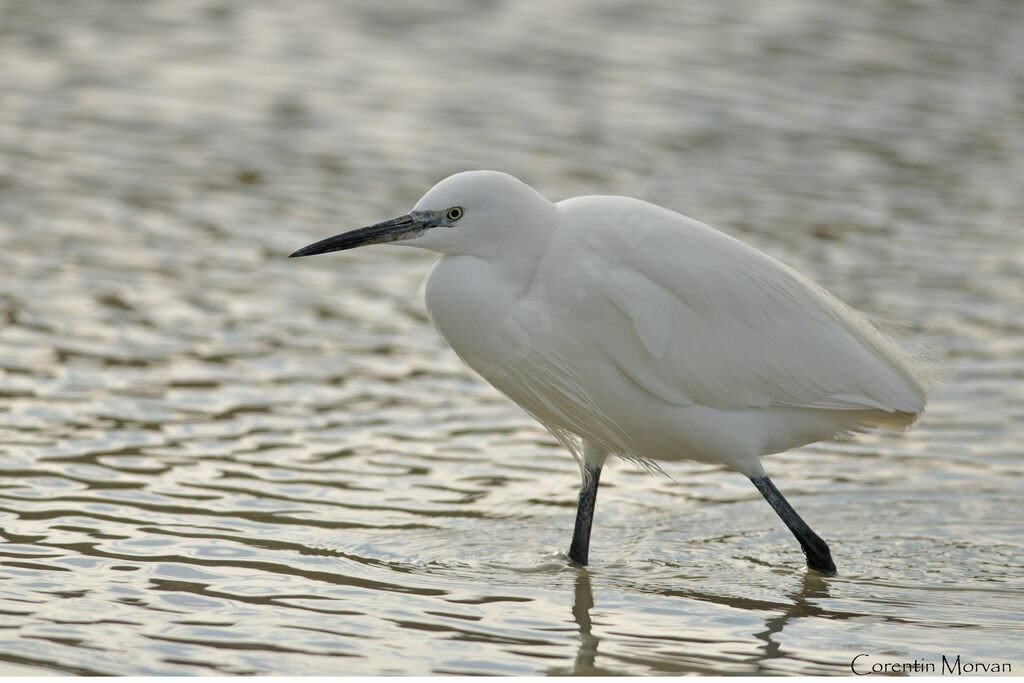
(481, 213)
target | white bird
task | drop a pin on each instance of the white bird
(627, 329)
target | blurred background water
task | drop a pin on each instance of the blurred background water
(217, 460)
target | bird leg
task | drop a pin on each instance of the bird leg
(585, 514)
(816, 550)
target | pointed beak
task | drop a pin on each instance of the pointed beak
(402, 228)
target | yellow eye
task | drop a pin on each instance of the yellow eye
(454, 213)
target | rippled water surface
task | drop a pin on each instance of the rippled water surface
(218, 460)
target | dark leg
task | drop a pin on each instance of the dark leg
(584, 515)
(816, 550)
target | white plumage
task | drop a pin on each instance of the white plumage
(628, 329)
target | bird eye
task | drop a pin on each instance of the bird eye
(454, 213)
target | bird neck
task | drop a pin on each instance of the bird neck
(515, 252)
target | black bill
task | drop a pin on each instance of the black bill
(402, 228)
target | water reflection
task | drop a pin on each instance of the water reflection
(582, 603)
(804, 602)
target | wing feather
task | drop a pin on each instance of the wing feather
(717, 322)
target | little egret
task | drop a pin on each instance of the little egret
(627, 329)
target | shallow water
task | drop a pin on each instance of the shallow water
(217, 460)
